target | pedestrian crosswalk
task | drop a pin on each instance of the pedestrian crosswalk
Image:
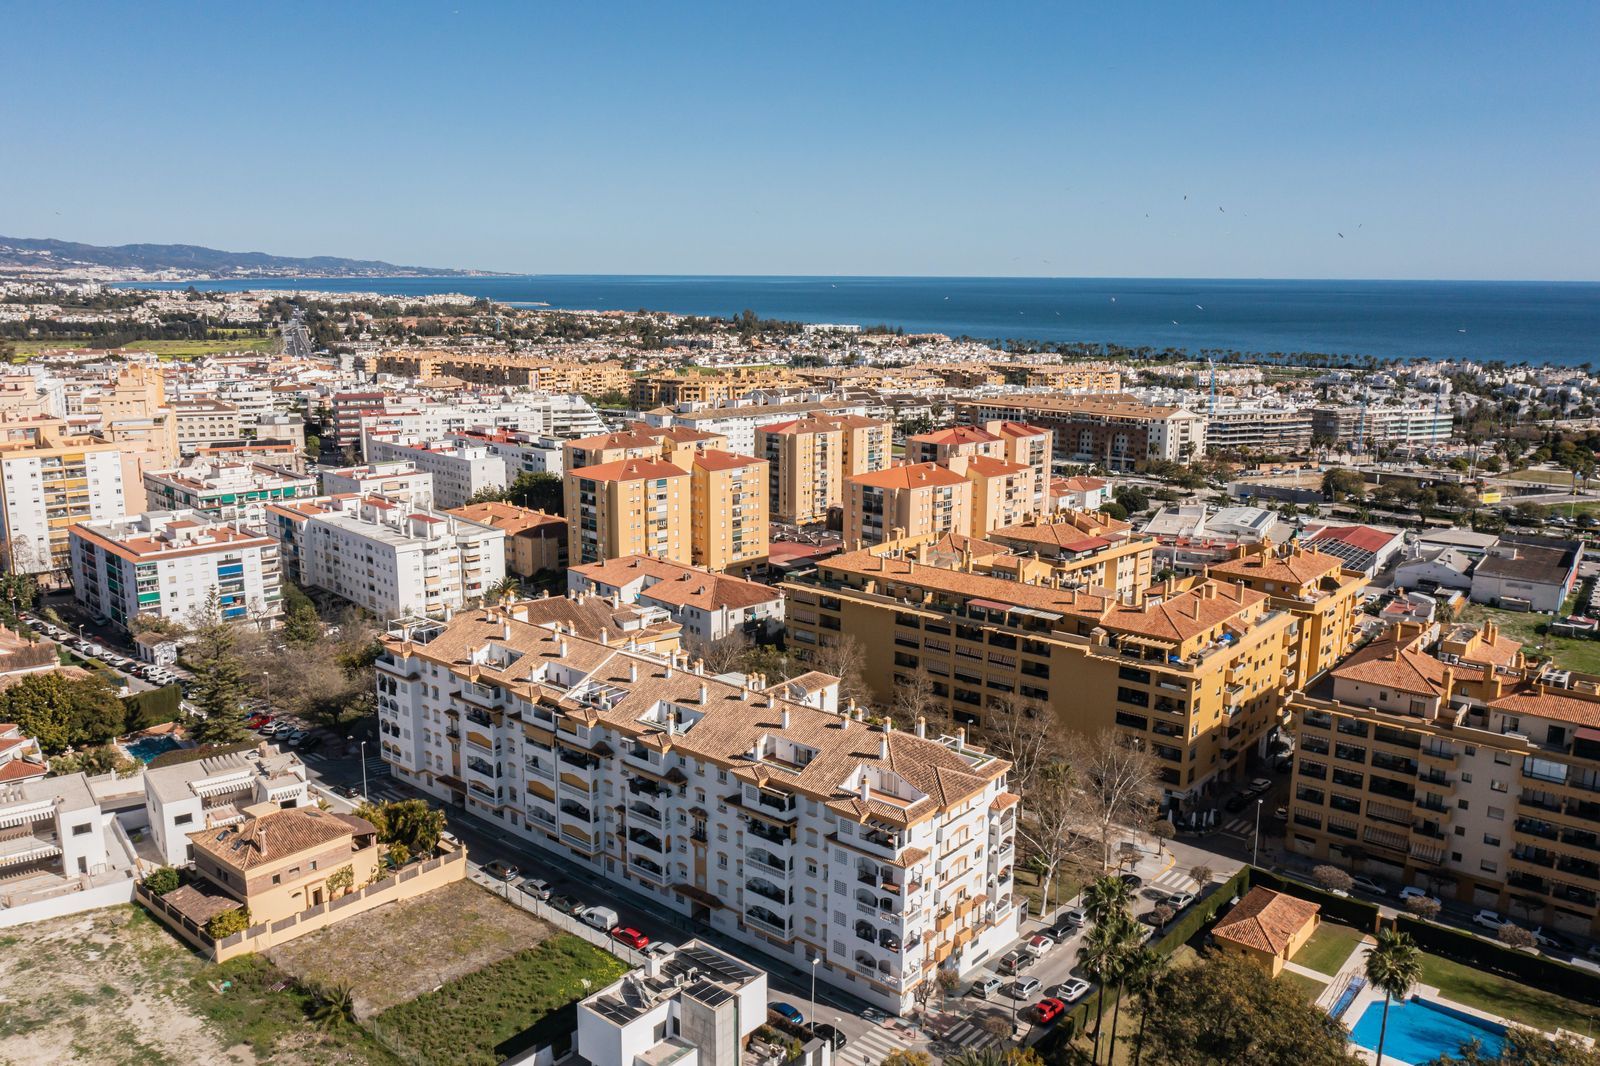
(875, 1045)
(1239, 827)
(1173, 880)
(969, 1034)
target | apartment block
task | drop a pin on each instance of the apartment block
(1450, 760)
(673, 444)
(395, 560)
(1003, 493)
(629, 507)
(728, 527)
(1247, 428)
(224, 489)
(915, 500)
(707, 606)
(1319, 589)
(698, 1006)
(1198, 673)
(1114, 431)
(398, 479)
(168, 564)
(1033, 447)
(769, 813)
(50, 481)
(535, 542)
(739, 422)
(805, 467)
(459, 470)
(205, 422)
(524, 453)
(1359, 426)
(867, 443)
(1066, 377)
(941, 445)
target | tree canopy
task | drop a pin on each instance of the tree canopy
(62, 711)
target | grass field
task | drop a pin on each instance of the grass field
(1497, 995)
(113, 987)
(396, 953)
(166, 349)
(1570, 653)
(1328, 949)
(1558, 478)
(470, 1019)
(1310, 987)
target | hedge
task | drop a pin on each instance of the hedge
(1524, 967)
(1346, 910)
(152, 707)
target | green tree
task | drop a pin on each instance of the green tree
(412, 823)
(542, 492)
(1393, 966)
(62, 711)
(1142, 977)
(1103, 956)
(335, 1005)
(1227, 1011)
(1524, 1047)
(219, 678)
(229, 922)
(300, 622)
(313, 445)
(1342, 483)
(906, 1057)
(161, 881)
(104, 759)
(341, 879)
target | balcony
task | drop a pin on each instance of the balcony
(644, 815)
(765, 921)
(767, 890)
(1432, 803)
(766, 862)
(770, 834)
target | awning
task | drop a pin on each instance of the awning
(992, 605)
(42, 851)
(237, 784)
(1585, 733)
(24, 817)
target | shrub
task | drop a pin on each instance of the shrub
(1514, 936)
(1332, 879)
(399, 855)
(341, 879)
(162, 881)
(229, 922)
(1424, 907)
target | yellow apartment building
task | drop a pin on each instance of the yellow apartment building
(535, 541)
(1196, 674)
(628, 507)
(915, 500)
(674, 444)
(1451, 761)
(867, 443)
(49, 481)
(1003, 493)
(805, 467)
(941, 445)
(729, 529)
(1309, 584)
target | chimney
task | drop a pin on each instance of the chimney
(844, 721)
(563, 647)
(783, 719)
(605, 637)
(672, 722)
(702, 694)
(922, 726)
(866, 789)
(544, 594)
(505, 629)
(700, 667)
(633, 670)
(961, 739)
(883, 746)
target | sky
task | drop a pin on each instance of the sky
(1447, 140)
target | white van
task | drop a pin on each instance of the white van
(602, 918)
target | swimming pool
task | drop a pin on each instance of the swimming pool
(1421, 1030)
(147, 748)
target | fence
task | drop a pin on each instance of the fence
(1524, 967)
(563, 921)
(408, 881)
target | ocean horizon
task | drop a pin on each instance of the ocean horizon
(1549, 322)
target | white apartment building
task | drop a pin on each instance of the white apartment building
(412, 421)
(395, 560)
(397, 479)
(49, 481)
(208, 793)
(708, 606)
(696, 1007)
(768, 813)
(524, 453)
(225, 489)
(459, 470)
(167, 564)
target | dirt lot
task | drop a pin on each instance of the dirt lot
(398, 952)
(113, 987)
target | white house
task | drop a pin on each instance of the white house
(708, 606)
(190, 796)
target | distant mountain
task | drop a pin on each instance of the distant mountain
(179, 261)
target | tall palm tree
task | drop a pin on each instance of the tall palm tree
(1393, 966)
(1104, 951)
(1144, 972)
(1106, 896)
(1128, 946)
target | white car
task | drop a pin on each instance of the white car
(1367, 884)
(1070, 991)
(1489, 920)
(1411, 892)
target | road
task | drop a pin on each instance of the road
(296, 338)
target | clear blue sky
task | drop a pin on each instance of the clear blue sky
(1444, 140)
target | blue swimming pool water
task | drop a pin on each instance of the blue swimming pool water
(1352, 989)
(1420, 1031)
(148, 748)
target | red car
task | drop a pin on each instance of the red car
(631, 937)
(257, 721)
(1048, 1010)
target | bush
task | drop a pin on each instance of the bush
(1424, 907)
(1333, 879)
(160, 882)
(229, 922)
(151, 708)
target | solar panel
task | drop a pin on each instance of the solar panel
(719, 965)
(709, 994)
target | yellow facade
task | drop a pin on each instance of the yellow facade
(730, 529)
(906, 501)
(806, 468)
(631, 507)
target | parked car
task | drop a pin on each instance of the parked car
(1367, 884)
(1037, 945)
(1025, 988)
(311, 743)
(270, 729)
(1179, 900)
(1062, 929)
(1258, 786)
(602, 918)
(567, 904)
(500, 870)
(630, 936)
(1014, 962)
(1549, 939)
(537, 888)
(1489, 920)
(1070, 990)
(258, 721)
(1076, 915)
(986, 986)
(788, 1012)
(1413, 892)
(1133, 881)
(831, 1034)
(1048, 1010)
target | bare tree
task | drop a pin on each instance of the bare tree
(1121, 783)
(1024, 734)
(1202, 874)
(1049, 826)
(723, 655)
(1424, 907)
(845, 659)
(1332, 879)
(1514, 936)
(914, 698)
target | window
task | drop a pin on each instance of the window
(183, 819)
(1492, 841)
(1497, 786)
(82, 830)
(1497, 813)
(1488, 867)
(277, 879)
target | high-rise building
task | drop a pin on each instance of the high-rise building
(906, 501)
(728, 506)
(1003, 493)
(460, 470)
(805, 467)
(629, 507)
(50, 481)
(771, 814)
(168, 564)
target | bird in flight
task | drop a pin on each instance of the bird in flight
(1197, 307)
(1341, 236)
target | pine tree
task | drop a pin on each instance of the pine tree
(219, 678)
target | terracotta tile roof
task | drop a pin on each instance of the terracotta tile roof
(715, 459)
(270, 837)
(909, 476)
(1292, 567)
(629, 470)
(1389, 662)
(1536, 701)
(797, 426)
(1266, 920)
(955, 435)
(21, 770)
(677, 584)
(507, 516)
(989, 466)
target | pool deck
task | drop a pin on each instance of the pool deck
(1368, 996)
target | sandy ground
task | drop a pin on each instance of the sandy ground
(399, 951)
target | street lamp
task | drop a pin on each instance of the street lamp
(814, 963)
(364, 798)
(1255, 846)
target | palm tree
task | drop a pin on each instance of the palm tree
(1105, 897)
(1392, 967)
(1128, 947)
(989, 1056)
(1144, 972)
(1102, 956)
(335, 1005)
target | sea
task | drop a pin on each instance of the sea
(1534, 322)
